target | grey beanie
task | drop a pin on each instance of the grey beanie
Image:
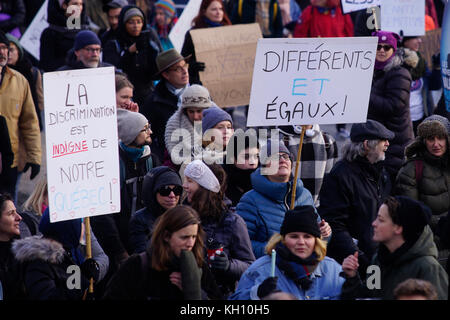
(213, 116)
(266, 150)
(196, 96)
(442, 120)
(130, 124)
(133, 12)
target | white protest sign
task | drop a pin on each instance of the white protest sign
(301, 81)
(355, 5)
(183, 24)
(407, 16)
(81, 143)
(31, 39)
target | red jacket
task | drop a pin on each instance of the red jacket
(314, 24)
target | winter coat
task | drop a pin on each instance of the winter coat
(389, 105)
(6, 156)
(433, 187)
(349, 200)
(44, 264)
(159, 106)
(16, 10)
(239, 182)
(112, 230)
(139, 66)
(134, 281)
(72, 63)
(9, 272)
(313, 23)
(417, 261)
(264, 206)
(244, 11)
(57, 39)
(326, 282)
(16, 105)
(231, 232)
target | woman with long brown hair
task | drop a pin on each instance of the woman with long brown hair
(211, 14)
(227, 240)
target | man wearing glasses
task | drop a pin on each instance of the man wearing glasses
(85, 53)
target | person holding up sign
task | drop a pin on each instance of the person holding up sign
(302, 267)
(389, 98)
(212, 14)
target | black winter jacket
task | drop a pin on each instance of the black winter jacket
(16, 10)
(389, 105)
(350, 197)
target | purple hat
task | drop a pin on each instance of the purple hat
(387, 37)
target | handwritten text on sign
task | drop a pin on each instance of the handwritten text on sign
(355, 5)
(311, 81)
(81, 143)
(407, 16)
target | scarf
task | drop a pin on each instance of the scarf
(134, 153)
(387, 258)
(294, 267)
(381, 65)
(176, 92)
(419, 71)
(212, 24)
(239, 177)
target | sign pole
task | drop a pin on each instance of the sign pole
(89, 249)
(297, 165)
(375, 20)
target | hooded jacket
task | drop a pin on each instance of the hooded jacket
(389, 105)
(72, 63)
(140, 66)
(16, 10)
(57, 39)
(419, 261)
(44, 265)
(263, 208)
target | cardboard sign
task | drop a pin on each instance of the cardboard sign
(31, 39)
(183, 24)
(228, 53)
(302, 81)
(403, 16)
(355, 5)
(431, 44)
(81, 143)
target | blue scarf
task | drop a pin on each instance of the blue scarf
(133, 153)
(176, 92)
(212, 23)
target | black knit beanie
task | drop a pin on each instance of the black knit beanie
(301, 219)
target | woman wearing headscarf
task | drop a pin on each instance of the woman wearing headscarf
(389, 98)
(172, 268)
(301, 266)
(134, 51)
(225, 230)
(211, 14)
(45, 261)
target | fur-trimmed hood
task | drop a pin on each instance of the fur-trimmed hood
(396, 61)
(410, 58)
(36, 247)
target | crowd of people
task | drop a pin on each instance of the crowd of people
(209, 211)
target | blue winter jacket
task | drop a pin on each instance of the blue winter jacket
(326, 282)
(264, 206)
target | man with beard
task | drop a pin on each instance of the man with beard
(354, 190)
(17, 107)
(85, 52)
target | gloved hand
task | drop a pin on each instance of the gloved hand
(35, 168)
(90, 269)
(436, 59)
(220, 261)
(197, 66)
(267, 286)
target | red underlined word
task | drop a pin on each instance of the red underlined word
(69, 147)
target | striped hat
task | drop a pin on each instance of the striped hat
(168, 6)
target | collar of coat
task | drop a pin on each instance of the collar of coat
(38, 248)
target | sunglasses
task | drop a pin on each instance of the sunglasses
(386, 47)
(166, 190)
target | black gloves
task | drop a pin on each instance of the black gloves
(267, 286)
(197, 66)
(220, 261)
(35, 168)
(90, 269)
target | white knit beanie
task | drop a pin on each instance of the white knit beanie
(196, 96)
(129, 124)
(200, 173)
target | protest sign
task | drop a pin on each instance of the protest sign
(81, 143)
(445, 55)
(183, 24)
(355, 5)
(403, 16)
(228, 53)
(431, 43)
(31, 39)
(304, 81)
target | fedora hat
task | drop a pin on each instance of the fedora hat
(168, 58)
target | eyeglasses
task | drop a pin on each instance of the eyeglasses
(166, 190)
(283, 156)
(93, 50)
(386, 47)
(3, 47)
(147, 128)
(180, 69)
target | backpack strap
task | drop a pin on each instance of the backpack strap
(419, 170)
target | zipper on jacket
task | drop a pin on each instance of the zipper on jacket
(286, 203)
